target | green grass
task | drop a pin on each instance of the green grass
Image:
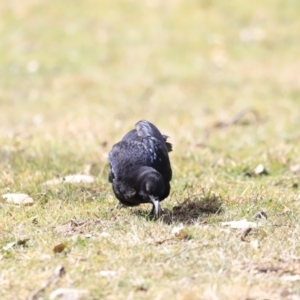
(77, 75)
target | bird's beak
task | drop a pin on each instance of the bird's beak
(156, 207)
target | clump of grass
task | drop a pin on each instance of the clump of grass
(196, 206)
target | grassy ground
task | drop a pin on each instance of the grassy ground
(77, 75)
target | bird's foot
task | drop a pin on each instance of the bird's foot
(118, 206)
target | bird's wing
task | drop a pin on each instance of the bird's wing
(153, 153)
(127, 156)
(159, 157)
(131, 135)
(124, 157)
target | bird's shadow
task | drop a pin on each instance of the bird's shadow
(191, 210)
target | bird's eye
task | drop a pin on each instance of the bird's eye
(148, 187)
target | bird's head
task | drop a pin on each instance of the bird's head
(152, 188)
(151, 183)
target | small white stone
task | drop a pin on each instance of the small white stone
(32, 66)
(23, 199)
(259, 169)
(295, 168)
(177, 229)
(241, 224)
(291, 277)
(255, 244)
(105, 234)
(248, 35)
(76, 178)
(108, 273)
(68, 294)
(79, 178)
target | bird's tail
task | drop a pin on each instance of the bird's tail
(147, 129)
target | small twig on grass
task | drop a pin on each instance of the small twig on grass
(184, 250)
(237, 117)
(244, 233)
(58, 272)
(163, 241)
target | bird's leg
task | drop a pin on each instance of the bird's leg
(118, 206)
(156, 209)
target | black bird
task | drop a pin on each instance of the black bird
(140, 169)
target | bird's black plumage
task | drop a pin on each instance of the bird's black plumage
(140, 169)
